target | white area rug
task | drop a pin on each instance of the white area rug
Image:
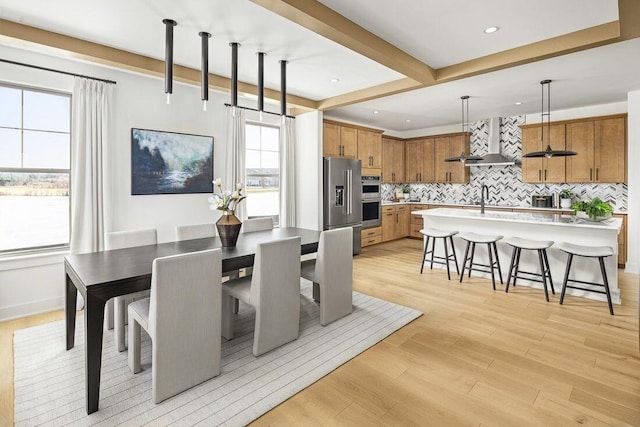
(50, 382)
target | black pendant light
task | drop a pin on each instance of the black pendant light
(234, 73)
(548, 152)
(168, 57)
(261, 83)
(204, 78)
(465, 128)
(283, 88)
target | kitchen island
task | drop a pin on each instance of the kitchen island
(535, 226)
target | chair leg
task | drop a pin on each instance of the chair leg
(227, 316)
(515, 275)
(236, 305)
(546, 260)
(495, 251)
(566, 278)
(424, 254)
(119, 308)
(108, 314)
(606, 284)
(464, 261)
(544, 276)
(493, 278)
(453, 249)
(511, 267)
(134, 346)
(433, 250)
(473, 252)
(316, 292)
(446, 256)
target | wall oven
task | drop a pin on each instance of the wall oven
(371, 201)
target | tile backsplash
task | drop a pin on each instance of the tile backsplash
(505, 182)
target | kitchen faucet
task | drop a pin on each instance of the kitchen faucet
(483, 189)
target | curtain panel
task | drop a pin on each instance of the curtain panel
(235, 153)
(287, 173)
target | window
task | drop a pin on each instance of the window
(262, 171)
(35, 156)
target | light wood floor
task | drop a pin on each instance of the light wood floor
(476, 357)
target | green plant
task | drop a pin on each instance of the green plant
(594, 208)
(566, 194)
(579, 206)
(406, 189)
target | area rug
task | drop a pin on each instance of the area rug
(50, 382)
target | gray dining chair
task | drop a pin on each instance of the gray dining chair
(257, 224)
(182, 317)
(332, 274)
(273, 290)
(117, 310)
(196, 231)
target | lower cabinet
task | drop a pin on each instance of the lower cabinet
(416, 222)
(371, 236)
(395, 222)
(622, 241)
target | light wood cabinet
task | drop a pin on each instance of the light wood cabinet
(395, 222)
(371, 236)
(536, 170)
(392, 160)
(451, 146)
(419, 160)
(370, 151)
(339, 141)
(416, 222)
(622, 241)
(601, 147)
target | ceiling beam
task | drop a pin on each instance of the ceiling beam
(326, 22)
(101, 54)
(366, 94)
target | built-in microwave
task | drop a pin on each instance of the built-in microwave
(371, 202)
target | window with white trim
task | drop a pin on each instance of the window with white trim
(35, 157)
(262, 165)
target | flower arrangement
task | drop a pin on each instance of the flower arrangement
(593, 209)
(226, 200)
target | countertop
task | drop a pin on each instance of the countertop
(529, 218)
(487, 206)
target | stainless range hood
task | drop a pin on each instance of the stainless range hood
(494, 158)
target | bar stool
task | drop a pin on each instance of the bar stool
(432, 233)
(472, 239)
(541, 247)
(600, 252)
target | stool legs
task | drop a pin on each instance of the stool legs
(493, 279)
(492, 250)
(606, 284)
(473, 252)
(566, 278)
(512, 265)
(546, 260)
(495, 251)
(545, 270)
(464, 261)
(447, 256)
(455, 259)
(605, 281)
(544, 276)
(424, 255)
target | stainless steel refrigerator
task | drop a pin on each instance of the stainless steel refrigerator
(343, 196)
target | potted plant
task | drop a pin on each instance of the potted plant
(406, 190)
(565, 198)
(595, 210)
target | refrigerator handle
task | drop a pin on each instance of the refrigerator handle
(349, 191)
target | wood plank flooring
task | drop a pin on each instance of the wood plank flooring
(477, 357)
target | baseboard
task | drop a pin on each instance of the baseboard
(31, 308)
(632, 267)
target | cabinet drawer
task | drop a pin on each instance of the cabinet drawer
(419, 207)
(370, 232)
(366, 241)
(387, 209)
(415, 231)
(417, 220)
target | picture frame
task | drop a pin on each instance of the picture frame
(164, 162)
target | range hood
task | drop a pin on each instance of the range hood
(494, 158)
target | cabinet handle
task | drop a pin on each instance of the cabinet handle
(539, 175)
(545, 174)
(590, 174)
(370, 241)
(596, 174)
(420, 176)
(340, 150)
(417, 177)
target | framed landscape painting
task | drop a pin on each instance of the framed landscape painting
(170, 162)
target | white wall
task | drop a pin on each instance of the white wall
(633, 168)
(36, 284)
(309, 170)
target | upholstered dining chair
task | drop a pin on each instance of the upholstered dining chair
(182, 317)
(273, 290)
(196, 231)
(332, 274)
(117, 309)
(257, 224)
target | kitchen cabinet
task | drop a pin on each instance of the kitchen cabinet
(370, 151)
(537, 170)
(416, 222)
(392, 160)
(451, 146)
(339, 141)
(395, 222)
(419, 160)
(622, 241)
(601, 147)
(371, 236)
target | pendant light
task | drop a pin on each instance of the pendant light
(168, 57)
(283, 89)
(548, 152)
(234, 75)
(465, 128)
(261, 83)
(204, 78)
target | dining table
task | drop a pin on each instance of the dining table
(100, 276)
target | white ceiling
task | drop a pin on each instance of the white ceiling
(436, 32)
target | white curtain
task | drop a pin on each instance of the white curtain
(235, 144)
(287, 173)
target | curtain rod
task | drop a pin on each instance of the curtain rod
(56, 71)
(256, 110)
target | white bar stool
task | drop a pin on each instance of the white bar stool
(541, 247)
(473, 239)
(600, 252)
(433, 233)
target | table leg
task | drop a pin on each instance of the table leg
(71, 295)
(93, 324)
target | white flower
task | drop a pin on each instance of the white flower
(239, 186)
(235, 195)
(218, 182)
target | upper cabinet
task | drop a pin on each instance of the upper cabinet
(339, 141)
(392, 160)
(419, 160)
(451, 146)
(601, 147)
(370, 151)
(541, 169)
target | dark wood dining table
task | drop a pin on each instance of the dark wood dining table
(100, 276)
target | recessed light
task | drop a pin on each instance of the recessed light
(335, 80)
(407, 121)
(491, 30)
(519, 103)
(376, 112)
